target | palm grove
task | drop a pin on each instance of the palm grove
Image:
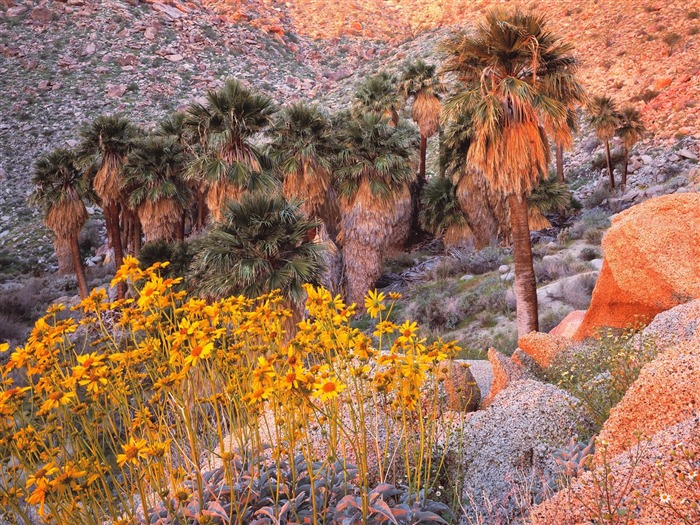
(271, 198)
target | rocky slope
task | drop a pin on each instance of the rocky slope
(64, 62)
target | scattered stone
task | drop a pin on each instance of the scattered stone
(569, 325)
(116, 90)
(174, 58)
(687, 154)
(41, 15)
(505, 371)
(463, 393)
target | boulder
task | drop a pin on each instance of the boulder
(569, 325)
(636, 480)
(505, 453)
(505, 371)
(650, 256)
(461, 389)
(665, 393)
(543, 348)
(677, 325)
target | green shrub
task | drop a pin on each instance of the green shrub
(588, 254)
(600, 372)
(590, 219)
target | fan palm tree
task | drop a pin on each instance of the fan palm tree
(159, 195)
(262, 244)
(631, 130)
(106, 143)
(228, 161)
(373, 178)
(420, 82)
(379, 95)
(486, 210)
(441, 213)
(59, 188)
(572, 123)
(505, 67)
(605, 119)
(302, 149)
(550, 196)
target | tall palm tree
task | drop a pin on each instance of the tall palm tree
(373, 178)
(379, 95)
(159, 194)
(572, 123)
(441, 213)
(549, 196)
(605, 119)
(420, 82)
(302, 149)
(59, 188)
(631, 130)
(106, 143)
(503, 66)
(229, 161)
(260, 245)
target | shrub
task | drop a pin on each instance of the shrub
(600, 372)
(590, 219)
(588, 254)
(132, 411)
(438, 305)
(483, 261)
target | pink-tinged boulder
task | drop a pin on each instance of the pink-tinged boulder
(569, 325)
(654, 483)
(543, 348)
(666, 392)
(505, 371)
(650, 263)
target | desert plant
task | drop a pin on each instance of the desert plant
(441, 213)
(512, 61)
(59, 189)
(378, 95)
(631, 129)
(605, 119)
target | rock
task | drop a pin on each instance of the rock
(41, 15)
(665, 393)
(596, 264)
(569, 325)
(116, 90)
(463, 393)
(687, 154)
(590, 145)
(504, 268)
(650, 256)
(174, 58)
(634, 483)
(677, 325)
(646, 159)
(542, 347)
(509, 446)
(505, 371)
(168, 10)
(466, 277)
(661, 83)
(522, 359)
(341, 74)
(89, 50)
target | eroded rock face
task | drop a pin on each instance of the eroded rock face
(650, 263)
(677, 325)
(650, 470)
(507, 449)
(461, 389)
(666, 393)
(505, 371)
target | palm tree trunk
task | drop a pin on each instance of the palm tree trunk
(180, 232)
(623, 182)
(417, 188)
(608, 158)
(201, 209)
(79, 268)
(113, 228)
(560, 162)
(423, 152)
(441, 148)
(137, 232)
(525, 284)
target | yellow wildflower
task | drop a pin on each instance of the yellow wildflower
(132, 452)
(374, 303)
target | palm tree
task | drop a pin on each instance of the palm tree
(373, 177)
(505, 67)
(228, 160)
(261, 245)
(59, 188)
(550, 196)
(631, 130)
(302, 148)
(106, 143)
(486, 211)
(190, 138)
(572, 123)
(420, 82)
(159, 195)
(379, 95)
(605, 119)
(441, 213)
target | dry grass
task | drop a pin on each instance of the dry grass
(160, 219)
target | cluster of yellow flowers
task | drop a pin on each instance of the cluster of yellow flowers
(122, 402)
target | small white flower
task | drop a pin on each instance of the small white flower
(693, 475)
(665, 498)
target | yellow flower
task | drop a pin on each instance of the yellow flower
(133, 451)
(56, 399)
(327, 388)
(197, 353)
(128, 270)
(385, 327)
(374, 303)
(294, 376)
(407, 333)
